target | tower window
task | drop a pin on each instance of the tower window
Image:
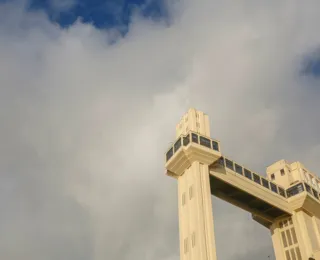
(288, 255)
(238, 168)
(273, 187)
(183, 199)
(177, 145)
(256, 178)
(284, 239)
(205, 142)
(193, 239)
(186, 140)
(308, 188)
(229, 164)
(272, 176)
(293, 255)
(289, 237)
(294, 236)
(247, 173)
(221, 161)
(185, 245)
(169, 154)
(191, 192)
(294, 190)
(282, 172)
(282, 192)
(265, 183)
(215, 146)
(194, 138)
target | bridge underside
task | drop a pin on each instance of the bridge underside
(262, 212)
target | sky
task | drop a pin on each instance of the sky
(89, 99)
(101, 14)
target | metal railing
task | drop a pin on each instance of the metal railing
(286, 193)
(192, 137)
(253, 176)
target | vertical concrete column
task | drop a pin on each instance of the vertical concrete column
(196, 226)
(317, 230)
(303, 236)
(276, 241)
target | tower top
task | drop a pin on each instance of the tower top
(194, 120)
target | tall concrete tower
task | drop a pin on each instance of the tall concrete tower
(190, 166)
(286, 201)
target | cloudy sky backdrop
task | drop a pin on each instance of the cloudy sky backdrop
(89, 99)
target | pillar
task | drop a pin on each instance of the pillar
(196, 226)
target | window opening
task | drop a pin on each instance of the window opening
(256, 178)
(247, 173)
(190, 192)
(183, 199)
(194, 138)
(229, 164)
(215, 146)
(238, 169)
(205, 142)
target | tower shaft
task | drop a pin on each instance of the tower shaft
(296, 237)
(195, 214)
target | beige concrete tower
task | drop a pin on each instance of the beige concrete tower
(286, 201)
(297, 236)
(190, 165)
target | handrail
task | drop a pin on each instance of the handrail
(192, 137)
(264, 182)
(251, 175)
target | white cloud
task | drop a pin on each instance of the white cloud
(85, 125)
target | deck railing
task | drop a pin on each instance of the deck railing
(253, 176)
(286, 193)
(192, 137)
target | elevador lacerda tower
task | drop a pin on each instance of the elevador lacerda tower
(286, 201)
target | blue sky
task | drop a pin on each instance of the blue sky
(100, 13)
(312, 65)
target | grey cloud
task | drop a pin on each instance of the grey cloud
(84, 125)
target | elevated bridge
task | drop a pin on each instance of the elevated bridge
(244, 188)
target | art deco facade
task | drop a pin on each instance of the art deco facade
(286, 201)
